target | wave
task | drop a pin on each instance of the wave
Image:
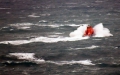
(43, 39)
(83, 62)
(17, 26)
(22, 24)
(31, 59)
(90, 47)
(28, 59)
(26, 56)
(27, 26)
(57, 25)
(101, 31)
(44, 21)
(72, 62)
(33, 15)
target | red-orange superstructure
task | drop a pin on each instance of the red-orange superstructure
(89, 31)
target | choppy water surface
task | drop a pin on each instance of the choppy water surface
(34, 37)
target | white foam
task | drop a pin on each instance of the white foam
(101, 31)
(75, 25)
(58, 33)
(22, 24)
(42, 39)
(53, 25)
(83, 62)
(53, 36)
(33, 15)
(43, 21)
(24, 28)
(60, 25)
(79, 32)
(15, 42)
(27, 24)
(51, 40)
(27, 56)
(30, 57)
(97, 39)
(23, 55)
(90, 47)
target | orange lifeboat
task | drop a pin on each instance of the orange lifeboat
(89, 31)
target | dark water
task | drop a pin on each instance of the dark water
(39, 15)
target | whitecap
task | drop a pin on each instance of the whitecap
(43, 21)
(15, 42)
(51, 40)
(53, 36)
(43, 39)
(31, 58)
(24, 28)
(59, 25)
(97, 39)
(83, 62)
(51, 25)
(33, 15)
(22, 24)
(79, 32)
(90, 47)
(58, 33)
(26, 56)
(75, 25)
(101, 31)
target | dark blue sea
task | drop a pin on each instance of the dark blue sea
(34, 37)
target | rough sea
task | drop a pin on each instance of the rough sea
(34, 37)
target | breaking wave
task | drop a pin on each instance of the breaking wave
(26, 56)
(42, 39)
(31, 59)
(90, 47)
(83, 62)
